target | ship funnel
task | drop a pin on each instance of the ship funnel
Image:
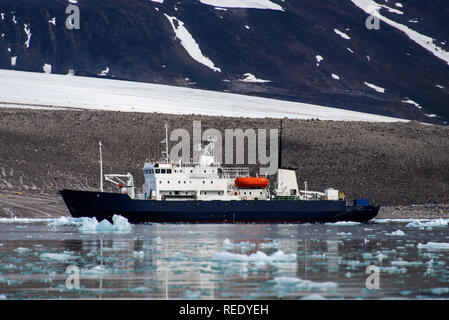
(286, 183)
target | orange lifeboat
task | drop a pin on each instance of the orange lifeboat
(251, 182)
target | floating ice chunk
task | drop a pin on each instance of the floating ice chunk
(439, 290)
(433, 246)
(13, 61)
(284, 285)
(120, 224)
(407, 263)
(192, 295)
(139, 290)
(22, 250)
(268, 245)
(56, 256)
(396, 233)
(138, 254)
(315, 296)
(178, 256)
(64, 221)
(428, 224)
(344, 233)
(393, 270)
(344, 223)
(95, 271)
(228, 245)
(257, 258)
(52, 21)
(158, 1)
(318, 60)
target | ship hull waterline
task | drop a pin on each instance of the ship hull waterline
(104, 205)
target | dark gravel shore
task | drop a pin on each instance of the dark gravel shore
(396, 165)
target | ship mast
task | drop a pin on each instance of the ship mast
(280, 148)
(167, 157)
(101, 168)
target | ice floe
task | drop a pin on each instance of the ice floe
(57, 256)
(284, 285)
(419, 223)
(433, 246)
(257, 258)
(120, 224)
(396, 233)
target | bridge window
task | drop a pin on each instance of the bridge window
(158, 170)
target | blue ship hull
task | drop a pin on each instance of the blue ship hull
(103, 205)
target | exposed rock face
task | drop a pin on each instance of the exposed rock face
(390, 163)
(309, 51)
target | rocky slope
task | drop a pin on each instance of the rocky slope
(390, 163)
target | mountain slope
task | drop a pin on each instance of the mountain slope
(309, 51)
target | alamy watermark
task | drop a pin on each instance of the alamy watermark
(373, 280)
(373, 20)
(73, 20)
(258, 152)
(73, 280)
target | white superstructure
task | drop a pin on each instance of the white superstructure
(204, 180)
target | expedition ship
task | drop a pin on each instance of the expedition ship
(206, 192)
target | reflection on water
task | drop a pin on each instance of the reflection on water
(181, 261)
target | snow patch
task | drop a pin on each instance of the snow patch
(47, 68)
(336, 77)
(189, 43)
(249, 4)
(424, 41)
(59, 91)
(342, 34)
(104, 72)
(377, 88)
(13, 61)
(409, 101)
(28, 33)
(249, 77)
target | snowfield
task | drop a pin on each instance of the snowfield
(39, 90)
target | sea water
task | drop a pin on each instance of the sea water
(69, 258)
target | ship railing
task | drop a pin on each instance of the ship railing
(231, 173)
